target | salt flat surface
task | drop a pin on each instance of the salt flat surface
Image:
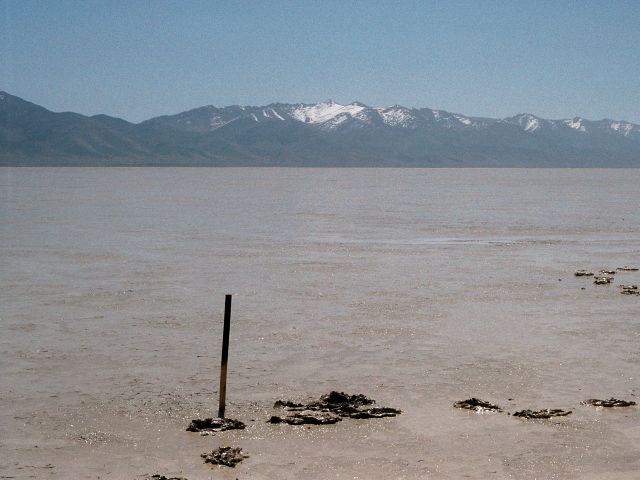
(417, 288)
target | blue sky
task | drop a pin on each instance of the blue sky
(140, 59)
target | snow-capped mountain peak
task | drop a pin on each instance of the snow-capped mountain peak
(333, 116)
(576, 123)
(323, 112)
(527, 121)
(625, 128)
(396, 116)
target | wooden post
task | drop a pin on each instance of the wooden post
(225, 355)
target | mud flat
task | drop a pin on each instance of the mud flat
(415, 287)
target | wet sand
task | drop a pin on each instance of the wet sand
(418, 288)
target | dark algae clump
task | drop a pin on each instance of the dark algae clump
(546, 413)
(375, 412)
(629, 290)
(341, 399)
(612, 402)
(331, 408)
(227, 456)
(307, 418)
(602, 280)
(162, 477)
(583, 273)
(477, 405)
(212, 425)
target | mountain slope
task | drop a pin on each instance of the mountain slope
(29, 132)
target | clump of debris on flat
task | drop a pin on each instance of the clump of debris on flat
(330, 409)
(602, 280)
(162, 477)
(477, 405)
(583, 273)
(209, 426)
(610, 403)
(605, 276)
(629, 290)
(226, 456)
(376, 412)
(546, 413)
(307, 418)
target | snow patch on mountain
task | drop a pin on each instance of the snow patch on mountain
(576, 124)
(217, 121)
(271, 113)
(526, 121)
(336, 121)
(276, 114)
(623, 127)
(364, 114)
(396, 116)
(450, 120)
(443, 117)
(323, 112)
(464, 120)
(530, 123)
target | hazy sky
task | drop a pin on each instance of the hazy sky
(138, 59)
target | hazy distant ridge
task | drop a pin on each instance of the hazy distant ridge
(322, 134)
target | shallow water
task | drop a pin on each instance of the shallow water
(416, 287)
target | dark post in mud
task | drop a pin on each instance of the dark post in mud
(225, 355)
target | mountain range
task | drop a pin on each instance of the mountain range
(323, 134)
